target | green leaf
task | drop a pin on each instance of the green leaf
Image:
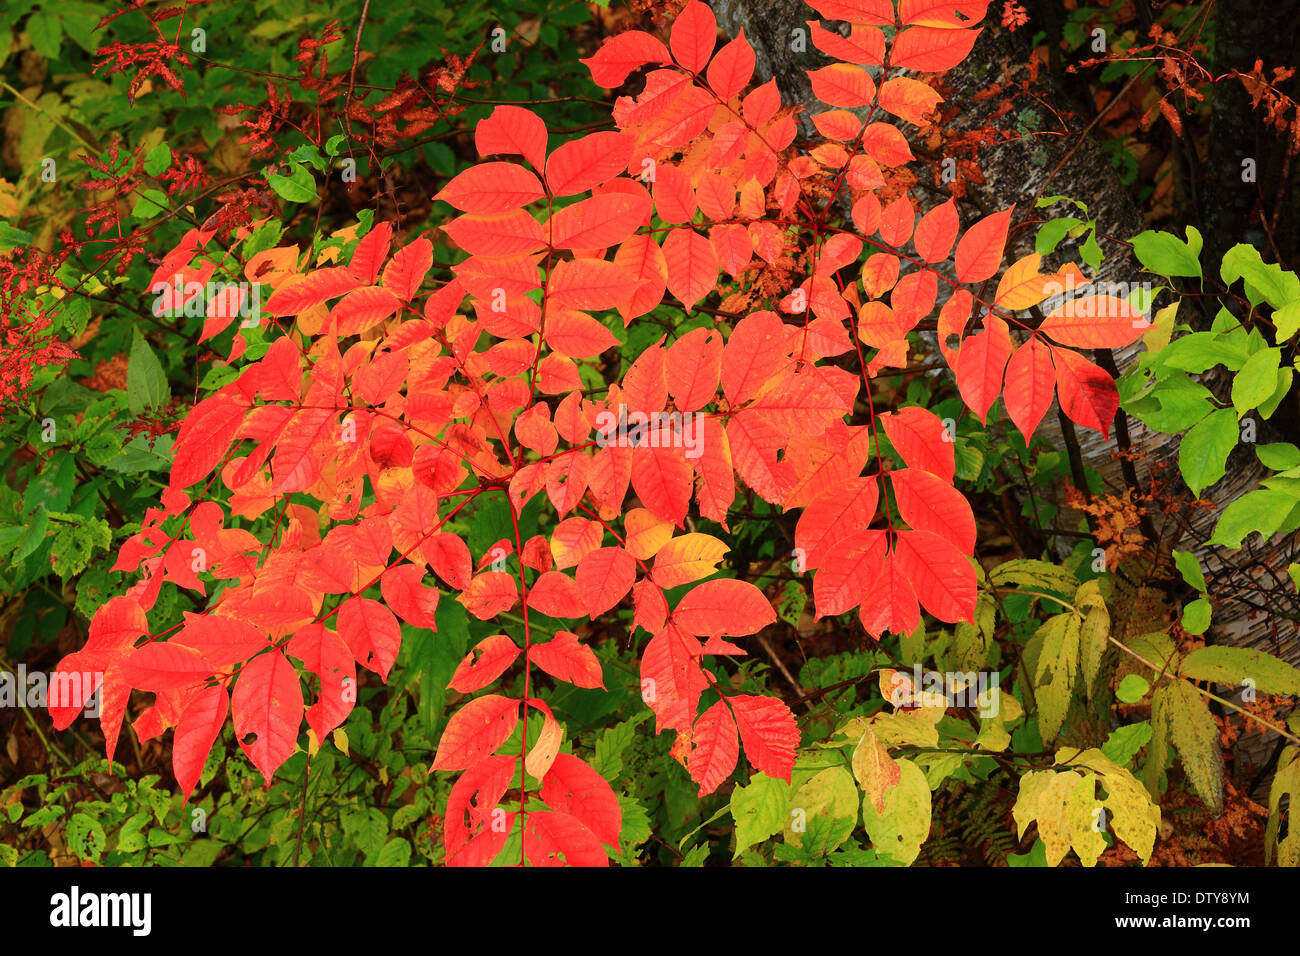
(1255, 383)
(1278, 456)
(396, 852)
(1270, 404)
(1196, 616)
(1190, 568)
(1167, 255)
(44, 30)
(146, 383)
(149, 203)
(75, 540)
(760, 810)
(85, 836)
(1267, 282)
(1132, 689)
(1263, 510)
(1233, 666)
(1286, 321)
(298, 187)
(1201, 351)
(1124, 742)
(158, 159)
(1052, 232)
(1203, 453)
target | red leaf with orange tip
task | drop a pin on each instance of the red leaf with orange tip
(475, 731)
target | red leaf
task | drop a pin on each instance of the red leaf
(921, 439)
(362, 309)
(604, 577)
(326, 655)
(408, 267)
(1095, 322)
(1030, 384)
(492, 187)
(473, 835)
(513, 130)
(475, 731)
(848, 572)
(565, 659)
(936, 232)
(161, 666)
(732, 68)
(488, 594)
(582, 164)
(197, 731)
(589, 283)
(837, 512)
(931, 49)
(661, 476)
(979, 251)
(403, 589)
(571, 786)
(890, 604)
(879, 12)
(204, 439)
(371, 633)
(695, 31)
(724, 608)
(692, 266)
(485, 662)
(621, 54)
(671, 678)
(268, 708)
(223, 641)
(768, 733)
(555, 594)
(980, 363)
(448, 557)
(942, 578)
(843, 84)
(714, 748)
(370, 253)
(910, 99)
(1087, 393)
(560, 839)
(929, 504)
(694, 365)
(298, 295)
(598, 222)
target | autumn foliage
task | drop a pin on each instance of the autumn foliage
(389, 402)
